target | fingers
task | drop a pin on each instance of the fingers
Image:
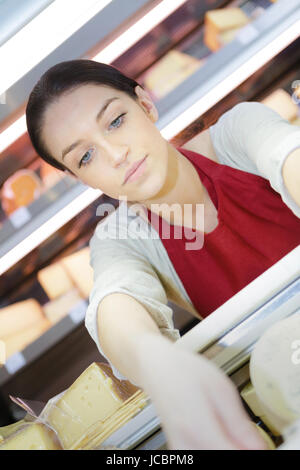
(235, 420)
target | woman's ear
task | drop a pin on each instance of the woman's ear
(146, 103)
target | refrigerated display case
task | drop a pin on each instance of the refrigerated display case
(261, 57)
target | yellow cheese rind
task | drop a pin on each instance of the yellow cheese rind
(94, 396)
(18, 316)
(281, 102)
(32, 436)
(55, 280)
(79, 270)
(275, 372)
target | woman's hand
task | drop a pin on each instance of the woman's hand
(198, 405)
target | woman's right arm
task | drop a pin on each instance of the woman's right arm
(198, 405)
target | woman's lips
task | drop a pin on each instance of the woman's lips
(135, 171)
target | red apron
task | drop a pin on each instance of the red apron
(255, 230)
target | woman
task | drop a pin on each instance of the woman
(89, 119)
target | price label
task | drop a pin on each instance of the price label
(20, 217)
(78, 312)
(15, 362)
(247, 34)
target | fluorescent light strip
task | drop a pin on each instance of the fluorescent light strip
(137, 31)
(107, 55)
(44, 34)
(12, 133)
(231, 82)
(48, 228)
(169, 131)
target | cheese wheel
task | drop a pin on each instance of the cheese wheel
(20, 189)
(281, 102)
(55, 280)
(275, 372)
(18, 316)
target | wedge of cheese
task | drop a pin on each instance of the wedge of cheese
(249, 395)
(31, 436)
(281, 102)
(94, 396)
(270, 444)
(221, 26)
(275, 372)
(55, 280)
(18, 316)
(79, 270)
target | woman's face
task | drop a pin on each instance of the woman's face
(98, 132)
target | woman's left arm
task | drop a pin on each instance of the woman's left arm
(254, 138)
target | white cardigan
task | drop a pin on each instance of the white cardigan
(125, 259)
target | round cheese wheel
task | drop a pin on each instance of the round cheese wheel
(20, 189)
(275, 372)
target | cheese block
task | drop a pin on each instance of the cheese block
(270, 444)
(221, 26)
(281, 102)
(79, 270)
(250, 397)
(18, 316)
(275, 372)
(20, 189)
(94, 396)
(58, 308)
(55, 280)
(18, 341)
(31, 436)
(169, 72)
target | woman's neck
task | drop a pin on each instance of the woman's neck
(182, 185)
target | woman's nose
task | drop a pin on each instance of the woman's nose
(118, 156)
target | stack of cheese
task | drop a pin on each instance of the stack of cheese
(66, 282)
(222, 25)
(275, 372)
(20, 324)
(91, 409)
(169, 72)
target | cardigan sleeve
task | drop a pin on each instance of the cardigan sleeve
(254, 138)
(121, 266)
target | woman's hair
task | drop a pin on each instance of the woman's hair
(61, 78)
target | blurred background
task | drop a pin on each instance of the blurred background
(197, 59)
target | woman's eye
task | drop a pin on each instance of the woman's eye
(118, 121)
(85, 159)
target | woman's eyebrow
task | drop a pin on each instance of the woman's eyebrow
(98, 117)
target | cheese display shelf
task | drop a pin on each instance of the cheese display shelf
(271, 298)
(216, 79)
